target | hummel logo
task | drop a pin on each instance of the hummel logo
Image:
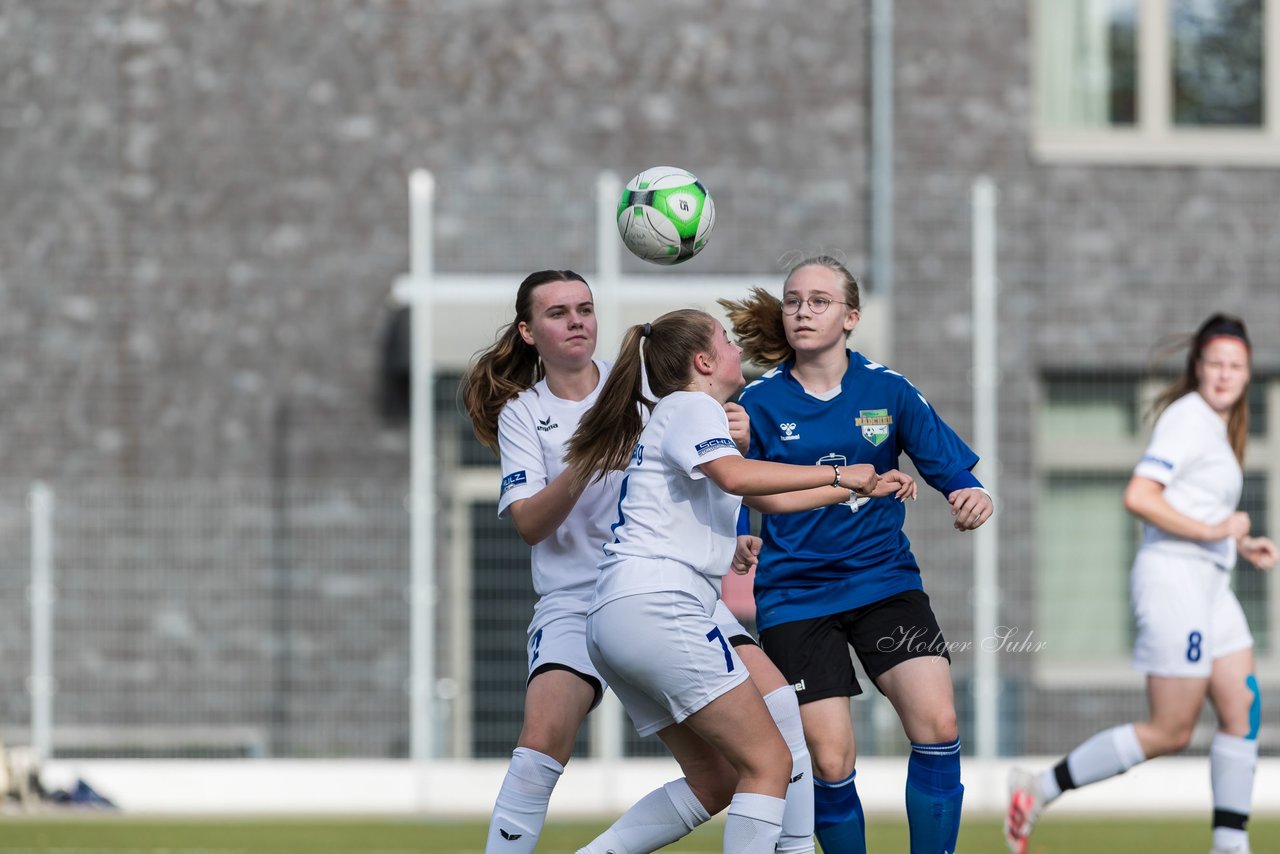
(511, 837)
(799, 686)
(788, 429)
(797, 777)
(545, 425)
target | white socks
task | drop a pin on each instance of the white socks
(1232, 762)
(1110, 752)
(659, 818)
(797, 819)
(521, 807)
(754, 823)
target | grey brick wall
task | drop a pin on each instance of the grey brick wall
(204, 206)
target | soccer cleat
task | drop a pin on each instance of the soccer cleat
(1025, 806)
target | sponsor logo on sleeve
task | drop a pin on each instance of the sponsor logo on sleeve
(704, 448)
(514, 479)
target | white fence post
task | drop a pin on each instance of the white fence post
(986, 668)
(41, 683)
(422, 593)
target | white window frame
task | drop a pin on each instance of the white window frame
(1154, 139)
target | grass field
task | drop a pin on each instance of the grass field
(120, 834)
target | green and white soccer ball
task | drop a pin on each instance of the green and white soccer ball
(665, 215)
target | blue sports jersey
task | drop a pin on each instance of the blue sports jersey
(832, 559)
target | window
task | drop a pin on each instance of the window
(1090, 432)
(1157, 81)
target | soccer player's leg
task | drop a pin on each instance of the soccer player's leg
(1233, 753)
(563, 687)
(780, 698)
(899, 642)
(920, 689)
(813, 655)
(555, 704)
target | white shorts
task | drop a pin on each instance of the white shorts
(729, 625)
(562, 643)
(664, 655)
(1187, 615)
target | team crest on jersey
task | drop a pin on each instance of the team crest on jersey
(875, 425)
(789, 433)
(545, 425)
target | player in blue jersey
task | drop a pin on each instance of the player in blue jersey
(1193, 641)
(845, 576)
(650, 627)
(525, 396)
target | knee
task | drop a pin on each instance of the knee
(945, 728)
(713, 788)
(832, 764)
(1173, 738)
(555, 741)
(937, 726)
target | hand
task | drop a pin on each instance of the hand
(971, 507)
(747, 554)
(860, 479)
(739, 426)
(1259, 551)
(900, 486)
(1235, 526)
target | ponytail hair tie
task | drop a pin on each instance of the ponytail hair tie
(647, 330)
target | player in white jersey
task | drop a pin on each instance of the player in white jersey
(1193, 641)
(525, 396)
(650, 629)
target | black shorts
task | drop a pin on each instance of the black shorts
(813, 654)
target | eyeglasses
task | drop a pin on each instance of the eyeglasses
(817, 304)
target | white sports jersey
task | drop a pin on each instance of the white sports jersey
(533, 430)
(1191, 455)
(669, 513)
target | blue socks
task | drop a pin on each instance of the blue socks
(934, 795)
(838, 820)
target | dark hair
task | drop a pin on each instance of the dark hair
(509, 366)
(757, 320)
(1217, 326)
(609, 431)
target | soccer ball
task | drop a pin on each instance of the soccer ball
(665, 215)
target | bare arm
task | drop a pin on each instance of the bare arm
(740, 476)
(893, 483)
(1144, 498)
(538, 516)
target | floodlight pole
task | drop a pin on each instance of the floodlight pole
(986, 595)
(422, 582)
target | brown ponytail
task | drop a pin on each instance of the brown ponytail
(608, 433)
